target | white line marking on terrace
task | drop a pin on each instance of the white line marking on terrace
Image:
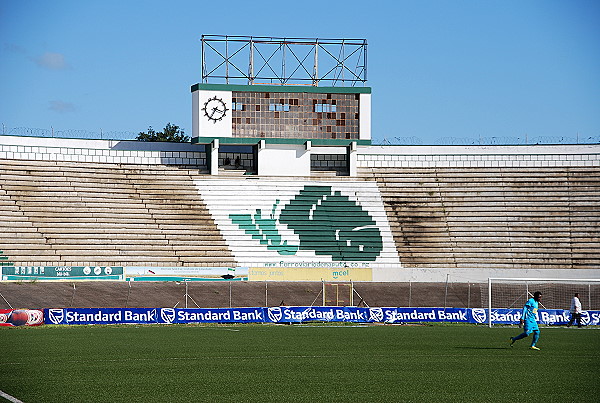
(9, 397)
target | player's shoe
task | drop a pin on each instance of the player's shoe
(534, 348)
(512, 342)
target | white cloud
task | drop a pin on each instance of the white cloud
(13, 48)
(52, 61)
(48, 60)
(61, 107)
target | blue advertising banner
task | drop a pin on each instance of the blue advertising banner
(100, 316)
(217, 315)
(544, 316)
(300, 314)
(404, 315)
(103, 316)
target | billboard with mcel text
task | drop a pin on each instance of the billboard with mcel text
(310, 274)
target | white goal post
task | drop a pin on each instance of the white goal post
(507, 292)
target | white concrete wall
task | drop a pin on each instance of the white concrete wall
(364, 117)
(196, 113)
(100, 151)
(474, 275)
(284, 160)
(202, 126)
(135, 152)
(478, 156)
(328, 150)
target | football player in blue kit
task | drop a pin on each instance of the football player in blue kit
(529, 322)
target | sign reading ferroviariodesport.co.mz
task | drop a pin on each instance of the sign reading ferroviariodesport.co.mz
(302, 225)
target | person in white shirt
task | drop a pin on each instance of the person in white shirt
(575, 311)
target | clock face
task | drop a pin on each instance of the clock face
(214, 109)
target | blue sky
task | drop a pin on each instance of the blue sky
(438, 69)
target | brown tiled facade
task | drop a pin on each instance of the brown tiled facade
(295, 115)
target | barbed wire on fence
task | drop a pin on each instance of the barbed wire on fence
(408, 141)
(494, 140)
(396, 140)
(69, 133)
(481, 141)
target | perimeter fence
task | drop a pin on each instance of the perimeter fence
(69, 133)
(228, 294)
(394, 140)
(493, 140)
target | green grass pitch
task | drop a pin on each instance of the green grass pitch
(297, 363)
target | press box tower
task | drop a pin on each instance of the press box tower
(282, 106)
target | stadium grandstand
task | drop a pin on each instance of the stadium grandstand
(281, 199)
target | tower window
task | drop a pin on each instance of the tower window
(325, 108)
(279, 107)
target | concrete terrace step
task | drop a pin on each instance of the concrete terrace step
(70, 219)
(441, 217)
(124, 236)
(74, 260)
(505, 217)
(53, 229)
(135, 242)
(103, 206)
(105, 211)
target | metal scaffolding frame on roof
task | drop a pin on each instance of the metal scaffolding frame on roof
(284, 61)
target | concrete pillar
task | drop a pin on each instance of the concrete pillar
(352, 157)
(260, 147)
(214, 157)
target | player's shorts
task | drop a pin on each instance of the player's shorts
(529, 327)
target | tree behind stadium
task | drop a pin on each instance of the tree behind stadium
(171, 133)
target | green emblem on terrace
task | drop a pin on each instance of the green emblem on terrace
(325, 221)
(264, 230)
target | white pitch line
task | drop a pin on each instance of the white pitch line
(9, 397)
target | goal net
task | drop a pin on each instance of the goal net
(507, 293)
